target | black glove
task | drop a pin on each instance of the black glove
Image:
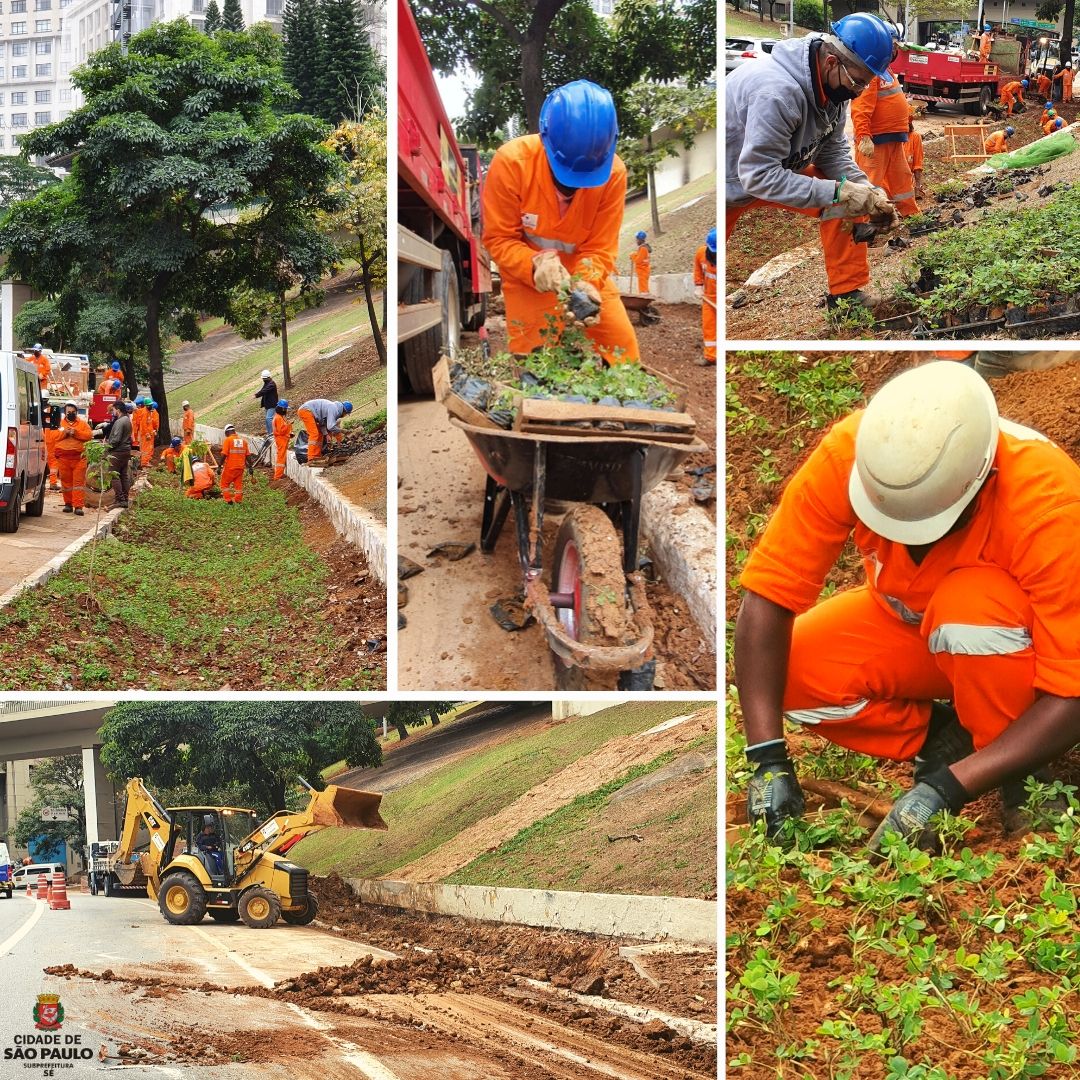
(909, 817)
(773, 794)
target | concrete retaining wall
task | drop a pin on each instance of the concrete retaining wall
(693, 922)
(353, 522)
(666, 288)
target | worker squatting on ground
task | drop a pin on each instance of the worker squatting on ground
(196, 475)
(187, 423)
(786, 147)
(915, 155)
(1043, 84)
(322, 420)
(967, 527)
(705, 288)
(640, 265)
(43, 364)
(997, 143)
(282, 434)
(1052, 123)
(75, 433)
(1011, 94)
(171, 454)
(118, 440)
(267, 396)
(235, 458)
(1063, 88)
(553, 207)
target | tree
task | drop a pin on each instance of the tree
(659, 120)
(56, 783)
(300, 59)
(362, 148)
(174, 138)
(19, 180)
(259, 749)
(350, 75)
(232, 18)
(212, 18)
(253, 312)
(406, 714)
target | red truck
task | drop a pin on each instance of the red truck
(444, 273)
(948, 79)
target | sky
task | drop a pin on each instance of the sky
(453, 90)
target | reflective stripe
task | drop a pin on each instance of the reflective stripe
(963, 639)
(710, 344)
(890, 90)
(827, 713)
(912, 618)
(551, 245)
(900, 196)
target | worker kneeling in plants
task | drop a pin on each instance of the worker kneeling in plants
(786, 146)
(553, 208)
(198, 476)
(997, 143)
(967, 528)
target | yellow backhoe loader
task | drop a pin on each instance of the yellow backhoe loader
(218, 860)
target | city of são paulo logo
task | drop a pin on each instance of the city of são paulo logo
(47, 1049)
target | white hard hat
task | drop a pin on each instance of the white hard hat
(228, 428)
(925, 444)
(266, 373)
(183, 403)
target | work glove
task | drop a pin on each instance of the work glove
(584, 298)
(866, 146)
(910, 815)
(549, 274)
(863, 200)
(773, 794)
(699, 291)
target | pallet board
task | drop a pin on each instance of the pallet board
(547, 417)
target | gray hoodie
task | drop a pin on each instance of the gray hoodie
(775, 128)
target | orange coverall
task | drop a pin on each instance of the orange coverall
(202, 477)
(138, 418)
(878, 112)
(71, 461)
(234, 452)
(169, 458)
(988, 618)
(1010, 94)
(1050, 126)
(282, 432)
(52, 437)
(44, 367)
(985, 44)
(996, 144)
(188, 426)
(1066, 77)
(1043, 84)
(315, 438)
(705, 276)
(640, 259)
(147, 435)
(914, 155)
(522, 217)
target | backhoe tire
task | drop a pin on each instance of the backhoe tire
(259, 907)
(302, 918)
(224, 915)
(182, 899)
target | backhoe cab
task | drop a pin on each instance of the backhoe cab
(219, 860)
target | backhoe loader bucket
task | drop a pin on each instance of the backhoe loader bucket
(348, 807)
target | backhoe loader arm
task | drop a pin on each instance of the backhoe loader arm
(142, 809)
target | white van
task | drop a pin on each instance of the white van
(28, 875)
(24, 461)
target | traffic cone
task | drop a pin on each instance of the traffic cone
(42, 887)
(58, 897)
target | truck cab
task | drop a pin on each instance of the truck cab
(24, 464)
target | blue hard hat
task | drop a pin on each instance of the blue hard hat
(868, 39)
(640, 234)
(710, 239)
(987, 26)
(1010, 131)
(347, 406)
(175, 441)
(140, 400)
(1024, 83)
(116, 365)
(129, 406)
(282, 404)
(579, 128)
(152, 404)
(1058, 123)
(1049, 105)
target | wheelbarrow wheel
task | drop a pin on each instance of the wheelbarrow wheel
(588, 566)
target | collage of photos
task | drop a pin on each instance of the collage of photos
(360, 661)
(902, 613)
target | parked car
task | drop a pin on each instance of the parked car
(739, 50)
(24, 464)
(28, 875)
(6, 885)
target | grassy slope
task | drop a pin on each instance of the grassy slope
(424, 815)
(215, 397)
(569, 849)
(172, 613)
(368, 395)
(684, 230)
(748, 23)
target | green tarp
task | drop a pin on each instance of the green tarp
(1036, 153)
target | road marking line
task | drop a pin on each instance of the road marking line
(238, 960)
(31, 922)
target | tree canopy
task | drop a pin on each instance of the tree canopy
(176, 139)
(255, 749)
(56, 783)
(212, 18)
(406, 714)
(232, 18)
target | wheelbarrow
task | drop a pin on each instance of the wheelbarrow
(642, 306)
(596, 589)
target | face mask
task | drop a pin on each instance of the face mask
(840, 93)
(70, 415)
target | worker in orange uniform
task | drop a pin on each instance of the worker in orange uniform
(75, 433)
(52, 414)
(187, 423)
(112, 382)
(705, 289)
(171, 454)
(1065, 77)
(640, 260)
(282, 434)
(986, 42)
(553, 207)
(1043, 83)
(881, 117)
(914, 154)
(1053, 123)
(997, 142)
(1012, 93)
(43, 364)
(138, 419)
(198, 476)
(148, 430)
(967, 527)
(322, 419)
(236, 456)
